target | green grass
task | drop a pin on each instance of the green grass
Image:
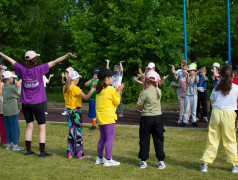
(183, 148)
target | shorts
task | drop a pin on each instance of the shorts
(92, 109)
(34, 109)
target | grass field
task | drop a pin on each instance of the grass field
(183, 148)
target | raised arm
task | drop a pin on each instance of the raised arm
(107, 60)
(86, 97)
(121, 67)
(8, 58)
(51, 75)
(56, 61)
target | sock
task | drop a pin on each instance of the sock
(42, 147)
(28, 146)
(94, 122)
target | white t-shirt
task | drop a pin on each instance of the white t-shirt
(117, 79)
(45, 80)
(228, 102)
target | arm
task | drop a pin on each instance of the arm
(212, 101)
(135, 79)
(62, 80)
(51, 75)
(120, 88)
(58, 60)
(140, 71)
(197, 79)
(88, 82)
(121, 67)
(18, 83)
(107, 66)
(8, 58)
(86, 97)
(187, 77)
(174, 72)
(162, 81)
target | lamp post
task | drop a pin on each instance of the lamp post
(185, 30)
(229, 30)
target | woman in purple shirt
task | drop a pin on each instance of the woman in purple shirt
(33, 95)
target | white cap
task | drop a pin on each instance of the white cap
(74, 75)
(216, 65)
(30, 55)
(7, 74)
(151, 65)
(191, 67)
(4, 67)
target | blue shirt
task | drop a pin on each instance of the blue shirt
(202, 82)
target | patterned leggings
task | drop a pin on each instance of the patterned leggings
(75, 140)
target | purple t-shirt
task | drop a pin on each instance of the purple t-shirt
(32, 89)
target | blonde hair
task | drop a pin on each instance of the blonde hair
(67, 84)
(149, 82)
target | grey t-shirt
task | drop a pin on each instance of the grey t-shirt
(191, 88)
(150, 102)
(10, 94)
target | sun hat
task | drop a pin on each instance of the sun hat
(191, 67)
(74, 75)
(69, 69)
(195, 65)
(215, 64)
(96, 70)
(103, 73)
(152, 75)
(7, 74)
(151, 65)
(4, 67)
(30, 55)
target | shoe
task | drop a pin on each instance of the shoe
(195, 124)
(197, 119)
(27, 153)
(93, 127)
(203, 168)
(120, 115)
(143, 164)
(46, 113)
(17, 148)
(183, 124)
(205, 119)
(178, 122)
(9, 146)
(99, 160)
(64, 113)
(5, 144)
(235, 169)
(110, 162)
(138, 110)
(44, 154)
(161, 165)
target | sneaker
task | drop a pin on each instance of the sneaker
(5, 144)
(120, 115)
(46, 113)
(143, 164)
(93, 127)
(64, 113)
(27, 153)
(99, 160)
(17, 148)
(235, 169)
(183, 124)
(178, 122)
(110, 162)
(9, 146)
(203, 168)
(195, 124)
(197, 119)
(161, 165)
(44, 154)
(138, 110)
(205, 119)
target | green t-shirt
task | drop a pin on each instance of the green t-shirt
(150, 102)
(93, 97)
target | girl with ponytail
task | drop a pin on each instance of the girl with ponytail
(222, 123)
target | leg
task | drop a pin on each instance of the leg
(204, 104)
(109, 134)
(214, 135)
(120, 107)
(199, 101)
(42, 133)
(29, 130)
(144, 134)
(2, 129)
(158, 137)
(229, 136)
(78, 134)
(186, 109)
(14, 128)
(7, 129)
(194, 107)
(101, 142)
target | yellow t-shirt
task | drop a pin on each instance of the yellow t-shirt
(72, 97)
(106, 104)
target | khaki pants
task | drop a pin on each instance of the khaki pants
(222, 124)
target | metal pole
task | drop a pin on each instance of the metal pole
(229, 30)
(185, 31)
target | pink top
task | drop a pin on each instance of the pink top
(182, 82)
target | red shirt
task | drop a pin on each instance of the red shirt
(235, 81)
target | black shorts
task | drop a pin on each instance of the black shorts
(34, 109)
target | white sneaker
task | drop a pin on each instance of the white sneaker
(161, 165)
(9, 146)
(235, 169)
(99, 160)
(46, 113)
(143, 164)
(203, 168)
(110, 162)
(64, 113)
(17, 148)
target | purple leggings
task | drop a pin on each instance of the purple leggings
(106, 137)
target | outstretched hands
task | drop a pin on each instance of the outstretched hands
(71, 55)
(165, 77)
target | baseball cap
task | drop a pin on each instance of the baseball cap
(152, 75)
(30, 55)
(69, 69)
(4, 67)
(96, 70)
(229, 63)
(151, 65)
(216, 65)
(191, 67)
(7, 74)
(74, 75)
(103, 73)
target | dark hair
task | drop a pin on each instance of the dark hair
(31, 63)
(226, 80)
(100, 85)
(148, 82)
(4, 80)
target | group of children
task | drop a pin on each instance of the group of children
(223, 98)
